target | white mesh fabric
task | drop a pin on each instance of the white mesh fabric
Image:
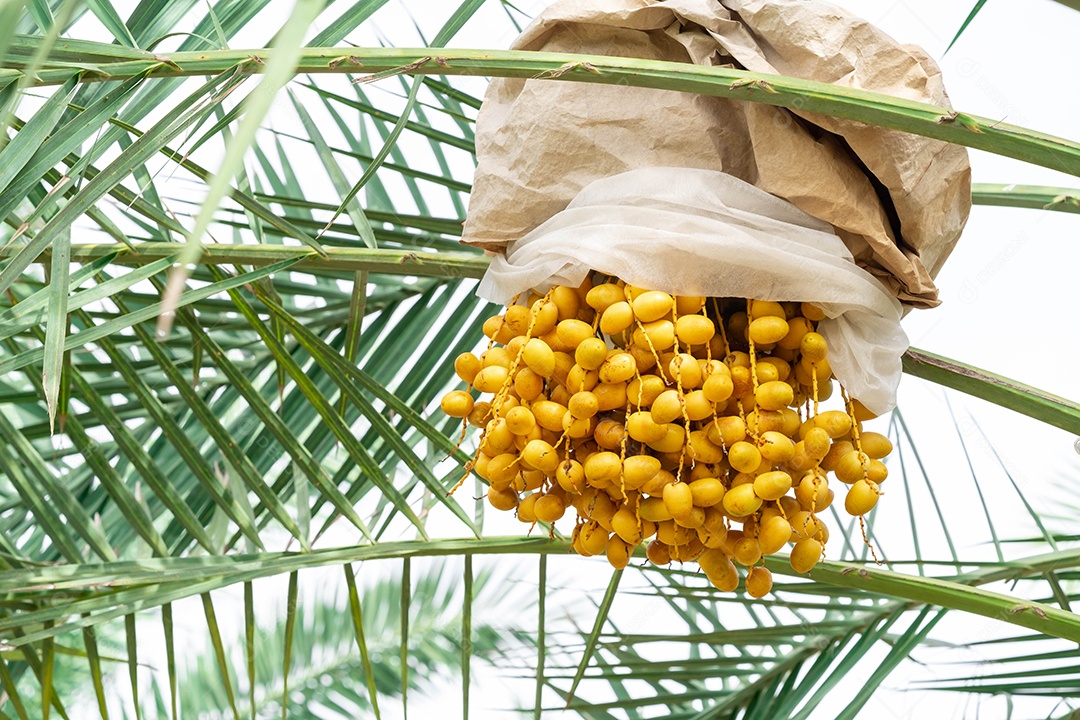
(702, 232)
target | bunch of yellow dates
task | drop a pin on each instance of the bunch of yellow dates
(690, 423)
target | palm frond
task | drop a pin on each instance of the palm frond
(287, 422)
(328, 668)
(873, 108)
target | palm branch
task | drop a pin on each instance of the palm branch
(232, 294)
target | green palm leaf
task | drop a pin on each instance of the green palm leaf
(288, 421)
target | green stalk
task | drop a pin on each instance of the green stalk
(1059, 199)
(807, 96)
(392, 262)
(998, 389)
(150, 582)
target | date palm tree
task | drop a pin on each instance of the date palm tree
(230, 298)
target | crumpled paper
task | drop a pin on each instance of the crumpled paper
(898, 201)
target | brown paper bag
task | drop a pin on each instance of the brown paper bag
(899, 201)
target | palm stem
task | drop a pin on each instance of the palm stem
(102, 62)
(199, 574)
(394, 262)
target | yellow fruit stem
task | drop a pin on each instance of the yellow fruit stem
(461, 438)
(592, 507)
(491, 344)
(850, 406)
(753, 367)
(465, 420)
(622, 442)
(595, 321)
(468, 471)
(720, 324)
(497, 400)
(718, 311)
(817, 463)
(652, 348)
(708, 363)
(641, 386)
(866, 541)
(682, 396)
(716, 424)
(742, 416)
(622, 457)
(856, 439)
(750, 340)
